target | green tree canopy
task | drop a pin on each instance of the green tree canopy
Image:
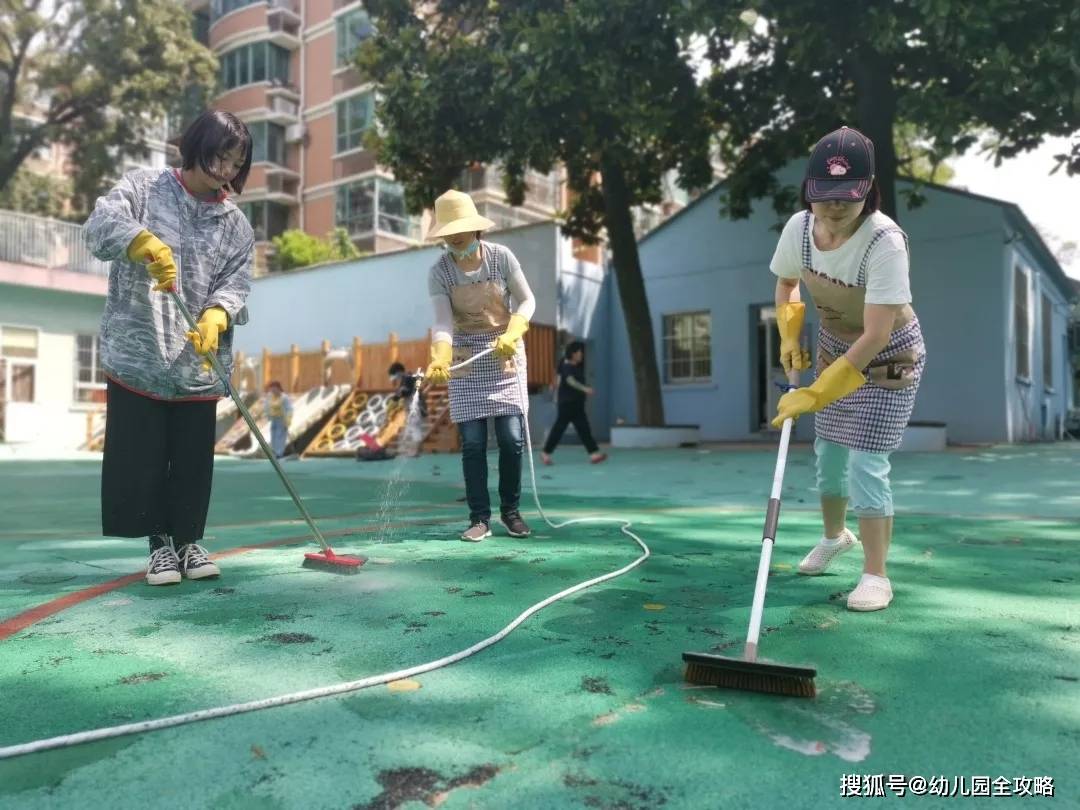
(942, 70)
(33, 193)
(97, 75)
(603, 87)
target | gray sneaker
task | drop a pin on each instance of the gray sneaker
(478, 531)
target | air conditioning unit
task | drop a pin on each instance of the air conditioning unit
(294, 133)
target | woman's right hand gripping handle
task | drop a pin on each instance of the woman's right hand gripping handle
(438, 370)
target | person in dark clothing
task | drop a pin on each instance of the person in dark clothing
(571, 399)
(406, 388)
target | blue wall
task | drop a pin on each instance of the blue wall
(584, 315)
(699, 261)
(371, 297)
(1037, 405)
(51, 310)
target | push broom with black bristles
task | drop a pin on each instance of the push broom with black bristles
(326, 560)
(748, 673)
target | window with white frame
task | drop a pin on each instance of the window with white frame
(688, 347)
(371, 204)
(19, 350)
(352, 29)
(1048, 343)
(268, 219)
(89, 375)
(355, 115)
(257, 62)
(1022, 321)
(393, 217)
(267, 142)
(356, 206)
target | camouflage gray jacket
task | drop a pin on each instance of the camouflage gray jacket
(143, 336)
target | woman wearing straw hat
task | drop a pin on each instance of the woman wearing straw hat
(481, 299)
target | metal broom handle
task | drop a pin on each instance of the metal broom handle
(216, 363)
(772, 517)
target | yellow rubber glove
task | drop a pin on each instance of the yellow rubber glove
(438, 371)
(148, 248)
(506, 343)
(835, 382)
(212, 323)
(789, 323)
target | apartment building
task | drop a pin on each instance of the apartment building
(286, 70)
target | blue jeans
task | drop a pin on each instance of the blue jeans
(864, 474)
(509, 433)
(279, 436)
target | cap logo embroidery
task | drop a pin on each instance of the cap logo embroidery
(838, 165)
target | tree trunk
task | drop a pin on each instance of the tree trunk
(635, 305)
(875, 107)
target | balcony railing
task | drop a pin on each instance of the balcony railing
(542, 190)
(44, 242)
(363, 225)
(284, 107)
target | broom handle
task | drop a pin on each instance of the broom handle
(768, 537)
(213, 359)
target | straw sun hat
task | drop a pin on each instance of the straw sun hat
(455, 212)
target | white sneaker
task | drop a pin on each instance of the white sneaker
(822, 555)
(163, 568)
(872, 593)
(195, 562)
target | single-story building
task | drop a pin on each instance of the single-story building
(993, 302)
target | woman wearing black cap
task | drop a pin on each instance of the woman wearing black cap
(870, 353)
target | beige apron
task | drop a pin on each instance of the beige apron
(840, 310)
(479, 309)
(489, 386)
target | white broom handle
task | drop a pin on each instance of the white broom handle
(769, 535)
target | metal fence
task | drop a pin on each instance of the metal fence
(44, 242)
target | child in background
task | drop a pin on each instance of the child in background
(405, 385)
(280, 410)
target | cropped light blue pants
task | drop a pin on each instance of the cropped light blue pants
(858, 475)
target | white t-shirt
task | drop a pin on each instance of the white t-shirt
(886, 272)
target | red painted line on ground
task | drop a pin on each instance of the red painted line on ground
(9, 627)
(20, 621)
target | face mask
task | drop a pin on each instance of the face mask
(467, 252)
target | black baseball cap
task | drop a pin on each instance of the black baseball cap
(841, 167)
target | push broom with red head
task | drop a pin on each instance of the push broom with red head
(325, 560)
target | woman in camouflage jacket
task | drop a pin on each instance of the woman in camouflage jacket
(170, 229)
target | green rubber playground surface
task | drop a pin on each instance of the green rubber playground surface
(973, 671)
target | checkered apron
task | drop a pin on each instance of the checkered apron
(488, 387)
(874, 416)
